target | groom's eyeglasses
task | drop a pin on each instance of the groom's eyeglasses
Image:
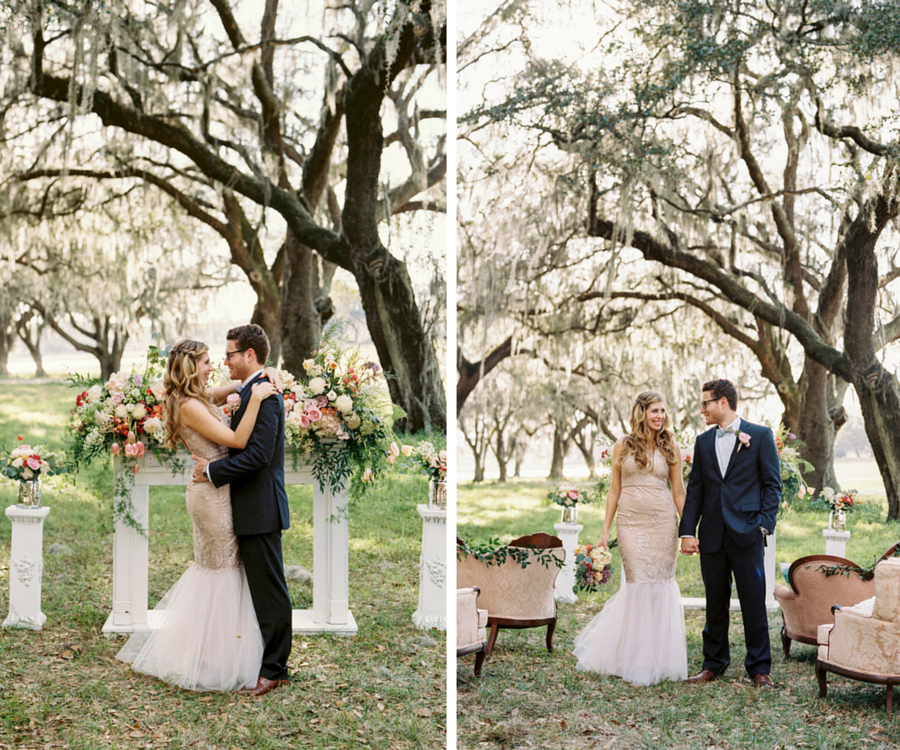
(708, 401)
(236, 351)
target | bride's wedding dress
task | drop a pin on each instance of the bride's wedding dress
(639, 635)
(209, 638)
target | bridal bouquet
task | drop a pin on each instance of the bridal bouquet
(117, 414)
(341, 416)
(593, 568)
(26, 462)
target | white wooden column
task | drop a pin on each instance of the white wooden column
(565, 581)
(26, 567)
(432, 609)
(331, 572)
(836, 542)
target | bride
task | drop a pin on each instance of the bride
(208, 638)
(639, 635)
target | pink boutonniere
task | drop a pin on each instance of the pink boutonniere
(743, 439)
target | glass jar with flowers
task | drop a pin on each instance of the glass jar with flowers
(568, 496)
(432, 462)
(26, 465)
(841, 503)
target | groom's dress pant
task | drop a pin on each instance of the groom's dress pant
(747, 566)
(264, 565)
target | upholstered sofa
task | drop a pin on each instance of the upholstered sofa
(864, 641)
(816, 583)
(471, 626)
(515, 596)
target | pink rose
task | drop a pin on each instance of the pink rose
(310, 404)
(573, 494)
(314, 415)
(232, 399)
(34, 463)
(117, 398)
(304, 420)
(744, 439)
(321, 401)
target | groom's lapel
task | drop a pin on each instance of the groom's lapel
(737, 445)
(711, 453)
(245, 397)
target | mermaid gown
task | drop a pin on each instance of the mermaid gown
(639, 635)
(209, 638)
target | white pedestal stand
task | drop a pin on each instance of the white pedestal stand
(331, 569)
(432, 609)
(836, 542)
(26, 567)
(769, 564)
(565, 581)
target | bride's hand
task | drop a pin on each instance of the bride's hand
(262, 390)
(603, 541)
(272, 374)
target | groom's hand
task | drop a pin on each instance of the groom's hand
(690, 546)
(199, 465)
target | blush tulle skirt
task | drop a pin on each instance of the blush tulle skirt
(208, 637)
(639, 635)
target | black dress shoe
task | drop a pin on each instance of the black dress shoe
(705, 675)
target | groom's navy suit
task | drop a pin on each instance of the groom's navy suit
(730, 510)
(260, 509)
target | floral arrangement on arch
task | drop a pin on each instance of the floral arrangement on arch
(122, 415)
(593, 568)
(568, 495)
(25, 463)
(342, 416)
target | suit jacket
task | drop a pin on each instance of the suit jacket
(256, 474)
(742, 500)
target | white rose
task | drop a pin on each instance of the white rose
(317, 386)
(122, 411)
(331, 395)
(94, 393)
(17, 464)
(344, 403)
(152, 425)
(299, 391)
(139, 412)
(293, 419)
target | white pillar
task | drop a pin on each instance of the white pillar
(432, 609)
(836, 542)
(26, 567)
(565, 581)
(771, 604)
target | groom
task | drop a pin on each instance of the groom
(259, 504)
(734, 492)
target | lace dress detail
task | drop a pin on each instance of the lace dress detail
(639, 635)
(206, 635)
(215, 545)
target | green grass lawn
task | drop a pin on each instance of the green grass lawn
(527, 698)
(62, 687)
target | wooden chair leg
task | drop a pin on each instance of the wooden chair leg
(550, 628)
(479, 660)
(785, 643)
(823, 684)
(495, 628)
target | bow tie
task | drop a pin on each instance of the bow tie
(239, 389)
(727, 431)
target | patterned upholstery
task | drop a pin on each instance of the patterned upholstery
(471, 622)
(868, 642)
(807, 603)
(510, 591)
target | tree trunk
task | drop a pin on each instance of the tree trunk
(879, 399)
(301, 326)
(817, 425)
(560, 447)
(7, 339)
(479, 467)
(500, 453)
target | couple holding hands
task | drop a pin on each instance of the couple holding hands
(733, 493)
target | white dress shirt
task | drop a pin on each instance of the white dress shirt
(725, 444)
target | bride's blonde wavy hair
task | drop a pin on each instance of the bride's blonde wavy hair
(181, 381)
(640, 440)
